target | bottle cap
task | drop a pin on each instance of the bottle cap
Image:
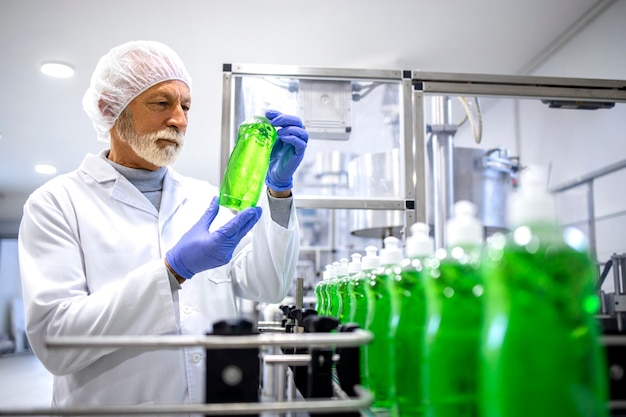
(333, 269)
(419, 243)
(531, 203)
(342, 269)
(370, 260)
(463, 228)
(355, 266)
(391, 254)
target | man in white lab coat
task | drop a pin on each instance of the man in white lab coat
(124, 245)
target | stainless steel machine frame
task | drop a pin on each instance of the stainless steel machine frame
(404, 77)
(416, 87)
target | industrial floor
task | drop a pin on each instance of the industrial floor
(24, 382)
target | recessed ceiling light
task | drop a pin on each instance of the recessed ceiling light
(57, 69)
(45, 169)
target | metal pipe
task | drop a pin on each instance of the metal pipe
(321, 406)
(609, 169)
(442, 166)
(356, 338)
(299, 359)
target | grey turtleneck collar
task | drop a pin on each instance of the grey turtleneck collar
(150, 183)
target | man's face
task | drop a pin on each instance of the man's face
(154, 123)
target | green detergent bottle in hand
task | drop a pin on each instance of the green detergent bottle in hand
(248, 163)
(541, 347)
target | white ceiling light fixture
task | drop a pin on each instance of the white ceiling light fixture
(57, 69)
(45, 169)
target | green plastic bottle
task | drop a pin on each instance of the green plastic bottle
(541, 351)
(410, 296)
(342, 289)
(333, 296)
(321, 294)
(454, 318)
(359, 301)
(248, 163)
(358, 294)
(380, 352)
(346, 287)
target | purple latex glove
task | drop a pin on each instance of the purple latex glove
(288, 150)
(199, 249)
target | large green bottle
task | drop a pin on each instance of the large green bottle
(541, 350)
(248, 163)
(380, 352)
(454, 318)
(359, 301)
(410, 297)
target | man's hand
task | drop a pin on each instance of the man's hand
(199, 249)
(288, 151)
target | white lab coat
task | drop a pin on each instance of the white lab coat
(91, 251)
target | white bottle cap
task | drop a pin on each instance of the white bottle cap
(332, 270)
(342, 269)
(463, 228)
(531, 203)
(326, 273)
(354, 267)
(370, 260)
(391, 254)
(419, 243)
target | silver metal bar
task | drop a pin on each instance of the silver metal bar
(296, 359)
(524, 91)
(272, 329)
(617, 405)
(356, 338)
(442, 166)
(349, 203)
(326, 406)
(591, 224)
(610, 340)
(408, 146)
(420, 159)
(609, 169)
(518, 80)
(227, 121)
(262, 323)
(316, 72)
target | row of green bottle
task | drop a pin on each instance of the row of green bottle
(503, 328)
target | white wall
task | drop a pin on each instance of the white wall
(573, 143)
(10, 285)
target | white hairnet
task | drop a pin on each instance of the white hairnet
(125, 72)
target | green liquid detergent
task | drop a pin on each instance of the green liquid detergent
(410, 296)
(359, 302)
(248, 163)
(454, 319)
(541, 351)
(380, 352)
